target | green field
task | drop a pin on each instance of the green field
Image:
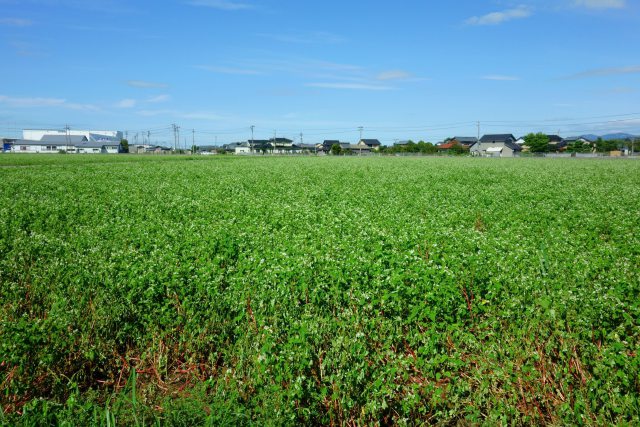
(242, 291)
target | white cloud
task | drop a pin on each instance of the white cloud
(23, 48)
(498, 77)
(221, 4)
(603, 72)
(495, 18)
(349, 86)
(146, 84)
(393, 75)
(16, 22)
(31, 102)
(158, 99)
(601, 4)
(38, 102)
(126, 103)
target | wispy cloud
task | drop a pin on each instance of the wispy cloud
(40, 102)
(16, 22)
(23, 48)
(146, 84)
(221, 4)
(496, 18)
(393, 75)
(228, 70)
(601, 4)
(603, 72)
(623, 90)
(126, 103)
(158, 99)
(349, 86)
(31, 102)
(498, 77)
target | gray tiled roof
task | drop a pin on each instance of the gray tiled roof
(500, 137)
(63, 139)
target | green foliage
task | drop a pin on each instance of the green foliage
(579, 147)
(315, 291)
(411, 147)
(537, 142)
(336, 149)
(603, 146)
(124, 146)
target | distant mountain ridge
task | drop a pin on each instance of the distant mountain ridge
(610, 136)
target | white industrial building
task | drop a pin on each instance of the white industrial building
(91, 135)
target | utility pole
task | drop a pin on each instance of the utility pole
(175, 137)
(478, 124)
(301, 140)
(67, 134)
(149, 137)
(193, 141)
(360, 128)
(252, 128)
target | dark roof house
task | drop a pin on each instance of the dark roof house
(372, 143)
(467, 141)
(501, 137)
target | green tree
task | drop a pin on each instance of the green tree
(537, 143)
(124, 145)
(579, 147)
(603, 146)
(458, 149)
(427, 147)
(336, 149)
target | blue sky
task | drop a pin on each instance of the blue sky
(403, 69)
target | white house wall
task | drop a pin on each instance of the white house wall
(35, 149)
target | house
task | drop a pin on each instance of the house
(208, 149)
(496, 145)
(157, 149)
(242, 148)
(556, 143)
(139, 148)
(231, 148)
(452, 146)
(328, 143)
(92, 147)
(47, 145)
(574, 139)
(373, 144)
(356, 149)
(308, 148)
(401, 143)
(465, 141)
